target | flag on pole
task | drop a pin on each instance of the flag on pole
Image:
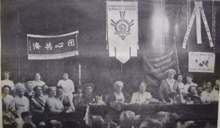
(122, 29)
(156, 66)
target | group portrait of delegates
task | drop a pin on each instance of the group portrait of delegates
(35, 104)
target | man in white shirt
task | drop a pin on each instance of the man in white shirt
(6, 80)
(189, 83)
(207, 96)
(67, 85)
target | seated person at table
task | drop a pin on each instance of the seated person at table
(169, 87)
(77, 98)
(141, 97)
(20, 103)
(193, 95)
(206, 95)
(201, 88)
(44, 88)
(37, 80)
(64, 99)
(54, 105)
(117, 96)
(29, 90)
(88, 96)
(37, 105)
(6, 80)
(27, 120)
(189, 83)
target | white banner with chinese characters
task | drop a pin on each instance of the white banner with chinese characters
(201, 62)
(122, 29)
(44, 47)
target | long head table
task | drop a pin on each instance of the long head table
(187, 112)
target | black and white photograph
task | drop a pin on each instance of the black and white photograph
(110, 63)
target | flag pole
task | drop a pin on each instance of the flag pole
(178, 68)
(80, 74)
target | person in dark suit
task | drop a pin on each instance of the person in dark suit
(169, 87)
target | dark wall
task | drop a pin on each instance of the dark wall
(53, 17)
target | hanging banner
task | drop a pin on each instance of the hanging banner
(198, 11)
(201, 62)
(44, 47)
(157, 66)
(122, 29)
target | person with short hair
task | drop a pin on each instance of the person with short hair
(88, 95)
(206, 96)
(189, 83)
(27, 120)
(169, 87)
(7, 81)
(77, 98)
(37, 80)
(141, 97)
(67, 85)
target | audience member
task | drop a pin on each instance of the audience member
(44, 88)
(27, 120)
(29, 90)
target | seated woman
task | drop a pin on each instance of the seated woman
(37, 80)
(67, 103)
(54, 105)
(8, 117)
(118, 96)
(37, 105)
(193, 96)
(141, 97)
(169, 88)
(20, 103)
(29, 90)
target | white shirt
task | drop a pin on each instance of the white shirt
(181, 87)
(138, 97)
(205, 96)
(186, 87)
(7, 100)
(171, 83)
(20, 104)
(9, 83)
(119, 97)
(215, 94)
(67, 85)
(38, 83)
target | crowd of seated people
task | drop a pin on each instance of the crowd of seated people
(38, 102)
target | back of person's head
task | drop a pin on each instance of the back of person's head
(28, 125)
(25, 114)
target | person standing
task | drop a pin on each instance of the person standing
(6, 80)
(67, 85)
(37, 80)
(189, 83)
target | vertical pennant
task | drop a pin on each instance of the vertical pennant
(198, 22)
